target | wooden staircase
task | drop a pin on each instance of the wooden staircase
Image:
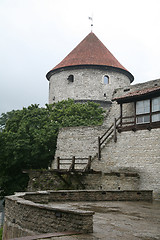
(111, 132)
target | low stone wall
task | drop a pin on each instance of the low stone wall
(50, 180)
(89, 195)
(24, 218)
(28, 213)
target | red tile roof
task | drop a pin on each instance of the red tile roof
(90, 51)
(138, 93)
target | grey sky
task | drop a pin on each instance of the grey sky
(37, 34)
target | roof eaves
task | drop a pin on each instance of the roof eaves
(52, 71)
(144, 93)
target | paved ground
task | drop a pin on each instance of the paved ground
(119, 220)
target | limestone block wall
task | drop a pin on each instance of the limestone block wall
(28, 214)
(83, 141)
(88, 195)
(25, 218)
(137, 152)
(88, 84)
(50, 180)
(77, 141)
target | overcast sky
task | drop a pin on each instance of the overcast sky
(35, 35)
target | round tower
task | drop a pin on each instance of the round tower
(88, 72)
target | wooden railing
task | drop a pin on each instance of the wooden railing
(70, 164)
(126, 121)
(111, 131)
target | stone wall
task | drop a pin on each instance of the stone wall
(137, 152)
(28, 214)
(88, 84)
(88, 195)
(82, 142)
(24, 218)
(77, 141)
(50, 180)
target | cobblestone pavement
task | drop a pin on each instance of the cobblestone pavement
(119, 220)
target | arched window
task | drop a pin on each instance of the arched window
(70, 78)
(106, 79)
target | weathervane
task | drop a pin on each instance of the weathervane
(91, 19)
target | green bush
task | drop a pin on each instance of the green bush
(28, 138)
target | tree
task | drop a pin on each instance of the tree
(28, 138)
(4, 118)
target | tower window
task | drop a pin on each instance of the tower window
(106, 79)
(70, 78)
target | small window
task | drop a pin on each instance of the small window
(143, 109)
(156, 117)
(106, 79)
(143, 119)
(156, 109)
(70, 78)
(156, 104)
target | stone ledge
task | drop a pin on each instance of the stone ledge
(90, 195)
(25, 202)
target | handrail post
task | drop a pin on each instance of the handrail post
(121, 112)
(88, 166)
(115, 131)
(72, 164)
(99, 148)
(58, 163)
(135, 118)
(89, 162)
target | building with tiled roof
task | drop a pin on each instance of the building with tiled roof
(88, 72)
(125, 150)
(138, 94)
(116, 161)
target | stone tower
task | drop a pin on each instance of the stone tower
(88, 72)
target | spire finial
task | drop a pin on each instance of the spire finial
(91, 19)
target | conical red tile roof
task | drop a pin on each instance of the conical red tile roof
(90, 51)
